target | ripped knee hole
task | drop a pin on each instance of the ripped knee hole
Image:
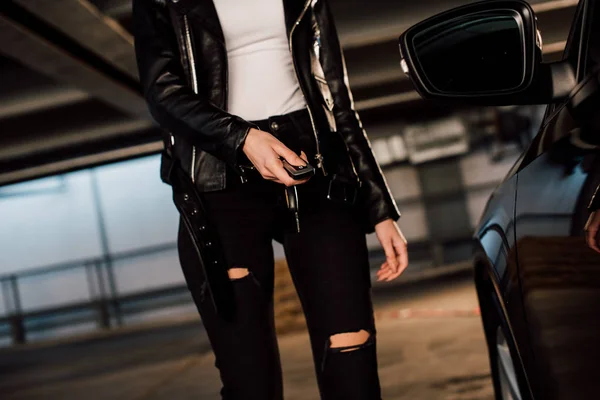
(237, 273)
(349, 341)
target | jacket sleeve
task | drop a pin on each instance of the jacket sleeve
(171, 100)
(377, 198)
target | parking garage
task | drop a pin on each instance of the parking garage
(94, 303)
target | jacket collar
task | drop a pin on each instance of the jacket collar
(206, 12)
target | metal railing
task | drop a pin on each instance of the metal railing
(104, 303)
(107, 307)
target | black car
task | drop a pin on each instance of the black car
(538, 282)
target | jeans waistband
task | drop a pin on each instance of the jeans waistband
(276, 122)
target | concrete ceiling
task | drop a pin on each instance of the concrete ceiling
(70, 95)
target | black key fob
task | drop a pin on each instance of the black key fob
(298, 173)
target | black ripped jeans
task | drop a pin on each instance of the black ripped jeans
(328, 261)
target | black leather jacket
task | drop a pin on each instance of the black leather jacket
(182, 61)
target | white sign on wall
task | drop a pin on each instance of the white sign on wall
(435, 140)
(389, 150)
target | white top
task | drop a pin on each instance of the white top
(262, 81)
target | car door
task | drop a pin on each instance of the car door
(559, 275)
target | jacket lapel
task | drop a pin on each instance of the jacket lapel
(292, 10)
(205, 12)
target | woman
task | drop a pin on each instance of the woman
(244, 87)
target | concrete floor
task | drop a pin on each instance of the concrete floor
(434, 351)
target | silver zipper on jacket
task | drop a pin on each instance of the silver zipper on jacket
(190, 54)
(318, 156)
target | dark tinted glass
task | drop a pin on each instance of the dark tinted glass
(471, 54)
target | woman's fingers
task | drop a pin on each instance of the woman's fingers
(265, 151)
(294, 183)
(396, 259)
(276, 167)
(282, 175)
(591, 231)
(388, 274)
(589, 238)
(595, 243)
(390, 254)
(393, 276)
(289, 155)
(592, 239)
(384, 272)
(303, 157)
(384, 268)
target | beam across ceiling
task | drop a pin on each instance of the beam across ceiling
(40, 48)
(40, 100)
(117, 9)
(84, 23)
(22, 148)
(80, 162)
(384, 21)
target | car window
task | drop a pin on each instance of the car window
(592, 59)
(571, 54)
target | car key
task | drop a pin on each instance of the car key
(298, 172)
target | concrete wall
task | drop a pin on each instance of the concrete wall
(56, 221)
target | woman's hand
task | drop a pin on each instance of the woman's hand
(591, 230)
(394, 244)
(264, 152)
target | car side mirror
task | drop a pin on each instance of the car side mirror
(488, 53)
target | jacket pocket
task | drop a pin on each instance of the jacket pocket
(337, 156)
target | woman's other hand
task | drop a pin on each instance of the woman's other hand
(591, 230)
(264, 152)
(394, 244)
